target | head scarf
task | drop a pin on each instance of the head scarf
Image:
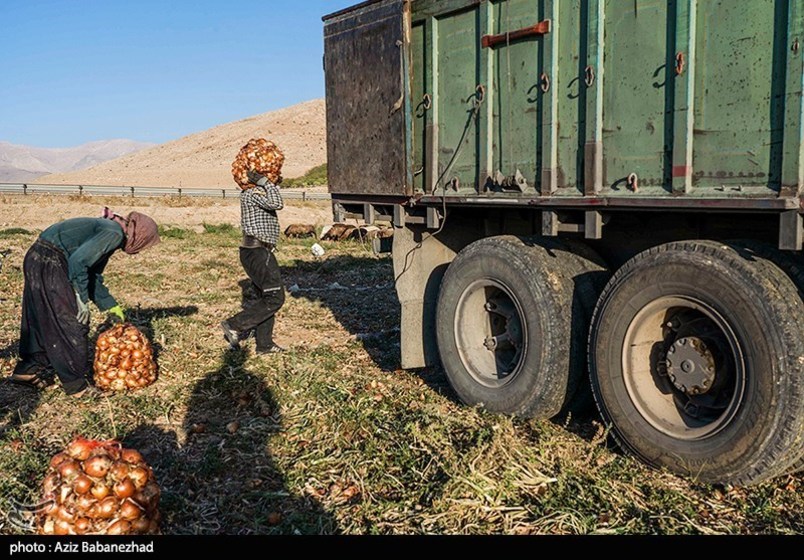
(140, 230)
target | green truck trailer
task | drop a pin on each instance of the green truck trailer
(593, 200)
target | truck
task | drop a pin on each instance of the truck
(593, 201)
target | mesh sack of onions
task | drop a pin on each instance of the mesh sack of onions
(262, 156)
(99, 488)
(124, 360)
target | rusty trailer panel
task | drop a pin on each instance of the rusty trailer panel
(368, 110)
(525, 100)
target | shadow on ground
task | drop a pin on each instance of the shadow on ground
(359, 291)
(217, 475)
(17, 405)
(10, 351)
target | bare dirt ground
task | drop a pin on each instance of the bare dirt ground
(38, 212)
(204, 159)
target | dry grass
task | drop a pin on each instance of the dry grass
(332, 435)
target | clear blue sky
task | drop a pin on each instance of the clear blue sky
(75, 71)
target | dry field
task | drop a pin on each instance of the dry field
(332, 436)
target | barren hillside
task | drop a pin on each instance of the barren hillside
(204, 159)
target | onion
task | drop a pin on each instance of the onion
(79, 449)
(139, 476)
(82, 526)
(107, 508)
(100, 491)
(124, 489)
(141, 525)
(130, 511)
(62, 528)
(121, 527)
(148, 497)
(58, 459)
(84, 503)
(82, 484)
(97, 466)
(127, 358)
(68, 468)
(260, 155)
(119, 471)
(81, 499)
(50, 483)
(50, 506)
(132, 456)
(64, 514)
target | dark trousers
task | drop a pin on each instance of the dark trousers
(259, 313)
(50, 334)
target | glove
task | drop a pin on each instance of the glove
(256, 178)
(116, 313)
(83, 310)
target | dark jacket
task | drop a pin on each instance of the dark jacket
(87, 243)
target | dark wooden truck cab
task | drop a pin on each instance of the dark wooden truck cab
(591, 199)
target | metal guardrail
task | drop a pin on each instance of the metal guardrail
(143, 192)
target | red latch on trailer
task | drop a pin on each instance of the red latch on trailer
(541, 28)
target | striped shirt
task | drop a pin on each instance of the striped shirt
(258, 207)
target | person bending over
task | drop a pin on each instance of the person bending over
(63, 272)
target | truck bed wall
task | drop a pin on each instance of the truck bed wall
(620, 99)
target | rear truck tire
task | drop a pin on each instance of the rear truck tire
(792, 264)
(696, 359)
(509, 337)
(589, 275)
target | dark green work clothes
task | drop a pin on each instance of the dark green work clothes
(87, 243)
(68, 257)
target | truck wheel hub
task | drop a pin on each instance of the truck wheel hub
(691, 366)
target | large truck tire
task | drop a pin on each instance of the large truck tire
(510, 331)
(696, 359)
(792, 264)
(589, 275)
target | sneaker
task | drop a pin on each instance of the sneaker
(231, 336)
(273, 349)
(90, 393)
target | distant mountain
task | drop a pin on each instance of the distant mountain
(27, 163)
(204, 159)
